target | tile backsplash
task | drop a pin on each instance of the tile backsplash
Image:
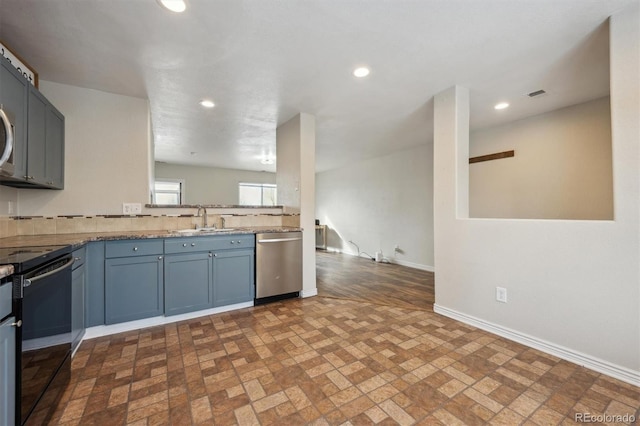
(37, 225)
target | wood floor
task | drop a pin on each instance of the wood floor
(356, 278)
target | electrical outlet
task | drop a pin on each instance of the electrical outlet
(501, 294)
(131, 208)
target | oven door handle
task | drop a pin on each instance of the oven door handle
(28, 281)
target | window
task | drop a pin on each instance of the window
(168, 191)
(257, 194)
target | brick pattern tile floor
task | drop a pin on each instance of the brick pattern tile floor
(329, 361)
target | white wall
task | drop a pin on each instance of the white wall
(561, 169)
(379, 203)
(106, 154)
(8, 200)
(295, 177)
(573, 286)
(211, 185)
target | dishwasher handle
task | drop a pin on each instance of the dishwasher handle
(280, 240)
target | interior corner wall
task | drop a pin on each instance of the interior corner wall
(106, 154)
(381, 202)
(561, 169)
(288, 165)
(211, 185)
(295, 179)
(572, 285)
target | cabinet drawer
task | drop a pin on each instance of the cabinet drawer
(128, 248)
(5, 299)
(208, 243)
(79, 255)
(237, 241)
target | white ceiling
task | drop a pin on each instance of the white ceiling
(263, 61)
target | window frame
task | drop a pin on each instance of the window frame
(262, 187)
(181, 192)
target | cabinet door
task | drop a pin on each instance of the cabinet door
(188, 283)
(233, 277)
(133, 288)
(94, 290)
(7, 372)
(13, 97)
(36, 137)
(54, 151)
(45, 140)
(78, 280)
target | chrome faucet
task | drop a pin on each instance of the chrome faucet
(205, 223)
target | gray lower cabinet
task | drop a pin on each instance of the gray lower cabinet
(94, 289)
(78, 284)
(233, 277)
(7, 371)
(133, 288)
(128, 280)
(188, 282)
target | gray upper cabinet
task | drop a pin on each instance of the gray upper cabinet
(13, 98)
(39, 133)
(45, 143)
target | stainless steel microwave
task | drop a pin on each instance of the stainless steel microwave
(6, 142)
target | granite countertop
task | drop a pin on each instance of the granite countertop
(6, 270)
(77, 240)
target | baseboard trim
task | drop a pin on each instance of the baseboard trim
(617, 372)
(420, 266)
(309, 293)
(107, 330)
(395, 261)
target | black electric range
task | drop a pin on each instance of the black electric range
(26, 258)
(42, 300)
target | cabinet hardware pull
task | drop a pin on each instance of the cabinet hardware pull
(77, 259)
(50, 182)
(210, 255)
(193, 244)
(233, 242)
(17, 324)
(184, 244)
(159, 257)
(135, 249)
(215, 255)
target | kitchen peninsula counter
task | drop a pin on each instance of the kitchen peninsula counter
(79, 239)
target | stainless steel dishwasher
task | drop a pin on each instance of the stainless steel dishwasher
(278, 266)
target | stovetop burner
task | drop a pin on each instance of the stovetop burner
(24, 258)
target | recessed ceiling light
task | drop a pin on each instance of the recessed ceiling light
(174, 5)
(502, 105)
(267, 161)
(361, 72)
(207, 103)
